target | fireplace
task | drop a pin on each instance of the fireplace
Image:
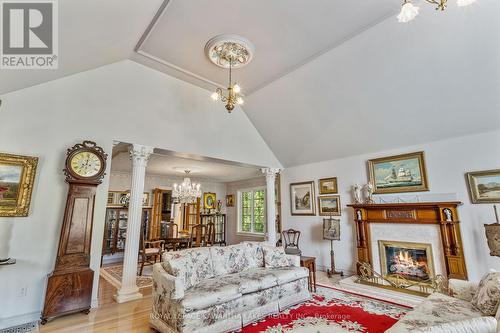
(412, 261)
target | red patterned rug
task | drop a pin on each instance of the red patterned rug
(332, 311)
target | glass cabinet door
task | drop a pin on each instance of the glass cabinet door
(122, 230)
(109, 232)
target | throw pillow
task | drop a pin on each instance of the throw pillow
(275, 256)
(487, 297)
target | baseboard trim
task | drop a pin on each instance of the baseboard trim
(19, 320)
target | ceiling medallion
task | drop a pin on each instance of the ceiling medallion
(410, 11)
(229, 51)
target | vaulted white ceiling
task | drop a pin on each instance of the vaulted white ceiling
(330, 78)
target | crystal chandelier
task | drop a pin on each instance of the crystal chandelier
(409, 11)
(187, 192)
(231, 52)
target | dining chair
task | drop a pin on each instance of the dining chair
(149, 251)
(171, 231)
(291, 241)
(198, 235)
(210, 236)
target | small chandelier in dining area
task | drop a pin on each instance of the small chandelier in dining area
(187, 192)
(409, 11)
(230, 52)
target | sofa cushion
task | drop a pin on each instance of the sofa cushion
(487, 297)
(275, 256)
(192, 265)
(437, 309)
(288, 274)
(252, 280)
(229, 259)
(210, 292)
(255, 254)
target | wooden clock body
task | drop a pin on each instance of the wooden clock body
(69, 287)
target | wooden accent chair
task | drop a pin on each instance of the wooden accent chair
(210, 236)
(172, 231)
(198, 235)
(291, 241)
(149, 251)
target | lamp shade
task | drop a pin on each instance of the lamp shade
(331, 229)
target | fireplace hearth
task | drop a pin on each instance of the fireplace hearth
(412, 261)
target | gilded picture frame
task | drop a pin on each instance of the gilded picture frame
(329, 205)
(398, 174)
(328, 185)
(230, 200)
(484, 186)
(302, 200)
(209, 200)
(17, 178)
(121, 198)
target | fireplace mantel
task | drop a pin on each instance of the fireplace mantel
(444, 214)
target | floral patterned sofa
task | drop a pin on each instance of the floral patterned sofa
(440, 313)
(222, 289)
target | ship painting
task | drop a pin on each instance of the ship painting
(398, 174)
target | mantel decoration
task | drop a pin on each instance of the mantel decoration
(17, 176)
(187, 192)
(232, 52)
(409, 11)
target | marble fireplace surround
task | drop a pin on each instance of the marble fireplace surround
(436, 223)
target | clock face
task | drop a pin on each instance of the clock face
(86, 164)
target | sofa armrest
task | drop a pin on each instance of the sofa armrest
(294, 260)
(472, 325)
(461, 289)
(166, 284)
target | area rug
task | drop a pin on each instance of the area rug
(332, 311)
(113, 274)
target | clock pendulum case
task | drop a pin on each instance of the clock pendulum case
(69, 287)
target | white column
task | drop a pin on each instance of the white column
(271, 204)
(129, 290)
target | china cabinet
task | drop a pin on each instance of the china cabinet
(219, 221)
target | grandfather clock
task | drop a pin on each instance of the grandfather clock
(69, 287)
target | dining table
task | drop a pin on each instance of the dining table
(179, 242)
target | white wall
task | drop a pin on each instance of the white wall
(232, 212)
(123, 101)
(447, 161)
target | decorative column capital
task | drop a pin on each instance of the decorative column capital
(140, 154)
(270, 173)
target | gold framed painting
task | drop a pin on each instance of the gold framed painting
(328, 185)
(398, 174)
(17, 176)
(230, 200)
(329, 205)
(122, 198)
(302, 198)
(484, 186)
(209, 200)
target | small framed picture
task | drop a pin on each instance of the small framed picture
(484, 186)
(331, 229)
(329, 205)
(302, 198)
(209, 200)
(230, 200)
(328, 185)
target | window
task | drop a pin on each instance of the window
(252, 211)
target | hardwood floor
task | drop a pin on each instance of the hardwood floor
(109, 317)
(113, 317)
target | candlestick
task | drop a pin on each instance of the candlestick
(496, 213)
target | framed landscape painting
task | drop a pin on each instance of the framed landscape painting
(329, 205)
(17, 176)
(484, 186)
(328, 185)
(398, 174)
(302, 198)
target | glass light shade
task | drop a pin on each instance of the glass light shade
(408, 12)
(240, 101)
(462, 3)
(215, 96)
(236, 88)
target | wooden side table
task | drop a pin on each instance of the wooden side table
(310, 263)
